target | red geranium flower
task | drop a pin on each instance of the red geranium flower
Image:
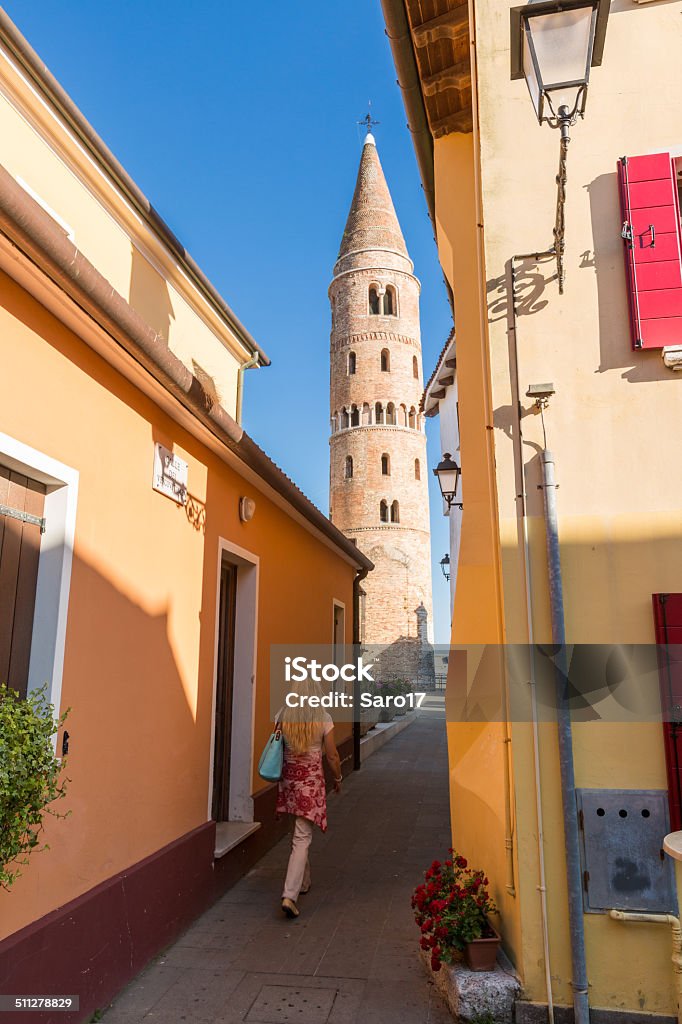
(451, 907)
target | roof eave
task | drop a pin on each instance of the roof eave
(39, 238)
(448, 355)
(55, 94)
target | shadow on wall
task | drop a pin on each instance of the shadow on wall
(531, 283)
(149, 295)
(607, 262)
(138, 767)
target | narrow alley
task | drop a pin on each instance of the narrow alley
(351, 957)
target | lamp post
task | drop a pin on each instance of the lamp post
(554, 43)
(448, 473)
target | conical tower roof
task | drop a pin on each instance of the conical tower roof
(372, 222)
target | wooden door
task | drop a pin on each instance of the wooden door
(21, 511)
(224, 685)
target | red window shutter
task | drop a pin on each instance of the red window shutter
(653, 260)
(668, 622)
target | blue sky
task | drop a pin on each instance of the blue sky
(239, 124)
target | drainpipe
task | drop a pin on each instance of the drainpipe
(254, 361)
(356, 685)
(676, 933)
(581, 1006)
(522, 496)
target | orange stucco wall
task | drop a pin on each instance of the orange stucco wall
(140, 640)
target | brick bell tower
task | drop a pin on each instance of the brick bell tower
(378, 469)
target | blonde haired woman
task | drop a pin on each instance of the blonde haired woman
(306, 731)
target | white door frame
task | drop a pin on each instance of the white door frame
(244, 680)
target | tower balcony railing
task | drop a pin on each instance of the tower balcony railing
(377, 415)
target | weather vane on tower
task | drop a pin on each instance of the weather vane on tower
(367, 119)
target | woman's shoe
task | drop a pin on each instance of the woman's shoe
(289, 907)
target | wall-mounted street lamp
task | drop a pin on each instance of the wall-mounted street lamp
(448, 473)
(445, 566)
(554, 43)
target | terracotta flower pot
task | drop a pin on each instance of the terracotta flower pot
(481, 954)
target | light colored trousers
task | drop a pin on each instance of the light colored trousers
(298, 869)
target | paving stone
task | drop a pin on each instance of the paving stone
(116, 1016)
(286, 1003)
(356, 937)
(399, 1001)
(146, 989)
(199, 996)
(344, 1009)
(438, 1011)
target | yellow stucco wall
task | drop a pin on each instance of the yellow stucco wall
(37, 148)
(613, 426)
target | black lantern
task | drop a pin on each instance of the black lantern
(554, 43)
(448, 473)
(445, 566)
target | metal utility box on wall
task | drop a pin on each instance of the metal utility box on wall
(624, 867)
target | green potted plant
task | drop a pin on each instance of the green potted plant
(452, 908)
(29, 776)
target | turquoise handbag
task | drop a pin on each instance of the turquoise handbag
(272, 759)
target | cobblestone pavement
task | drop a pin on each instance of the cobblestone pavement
(351, 957)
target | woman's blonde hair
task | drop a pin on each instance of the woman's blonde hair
(301, 725)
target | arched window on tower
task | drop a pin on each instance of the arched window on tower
(365, 419)
(378, 413)
(412, 421)
(390, 304)
(390, 413)
(383, 511)
(351, 363)
(349, 467)
(403, 416)
(385, 465)
(345, 419)
(417, 470)
(354, 416)
(374, 302)
(415, 367)
(385, 360)
(395, 512)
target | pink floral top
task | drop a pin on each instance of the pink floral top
(301, 790)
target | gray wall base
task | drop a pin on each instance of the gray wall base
(536, 1013)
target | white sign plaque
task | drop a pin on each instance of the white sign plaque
(170, 475)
